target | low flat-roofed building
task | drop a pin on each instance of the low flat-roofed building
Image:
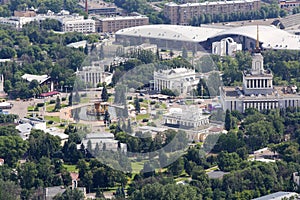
(51, 192)
(24, 130)
(76, 45)
(59, 133)
(99, 7)
(40, 78)
(113, 24)
(216, 174)
(27, 13)
(180, 80)
(186, 118)
(279, 196)
(102, 139)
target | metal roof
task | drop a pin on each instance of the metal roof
(270, 36)
(277, 196)
(171, 32)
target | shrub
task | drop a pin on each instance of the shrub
(52, 101)
(145, 120)
(40, 104)
(50, 122)
(63, 99)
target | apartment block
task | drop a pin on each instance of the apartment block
(82, 26)
(113, 24)
(183, 13)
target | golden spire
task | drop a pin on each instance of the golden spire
(257, 49)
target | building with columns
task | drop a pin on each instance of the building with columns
(258, 91)
(94, 74)
(186, 118)
(181, 80)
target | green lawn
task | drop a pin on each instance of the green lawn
(84, 100)
(50, 107)
(137, 167)
(212, 169)
(53, 118)
(70, 168)
(30, 108)
(140, 117)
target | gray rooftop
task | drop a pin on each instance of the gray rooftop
(278, 196)
(216, 174)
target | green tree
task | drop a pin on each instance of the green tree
(9, 190)
(28, 175)
(12, 148)
(42, 144)
(104, 94)
(71, 99)
(57, 104)
(106, 117)
(228, 161)
(137, 105)
(177, 167)
(228, 120)
(77, 97)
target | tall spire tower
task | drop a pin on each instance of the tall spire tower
(257, 49)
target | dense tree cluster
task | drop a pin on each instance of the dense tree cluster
(42, 6)
(40, 52)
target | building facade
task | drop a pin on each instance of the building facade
(98, 7)
(258, 91)
(82, 26)
(289, 5)
(94, 74)
(181, 80)
(113, 24)
(69, 23)
(105, 141)
(191, 118)
(226, 47)
(183, 14)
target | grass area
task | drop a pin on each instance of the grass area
(30, 108)
(251, 157)
(110, 99)
(137, 167)
(84, 100)
(70, 168)
(212, 169)
(142, 116)
(163, 106)
(50, 107)
(53, 118)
